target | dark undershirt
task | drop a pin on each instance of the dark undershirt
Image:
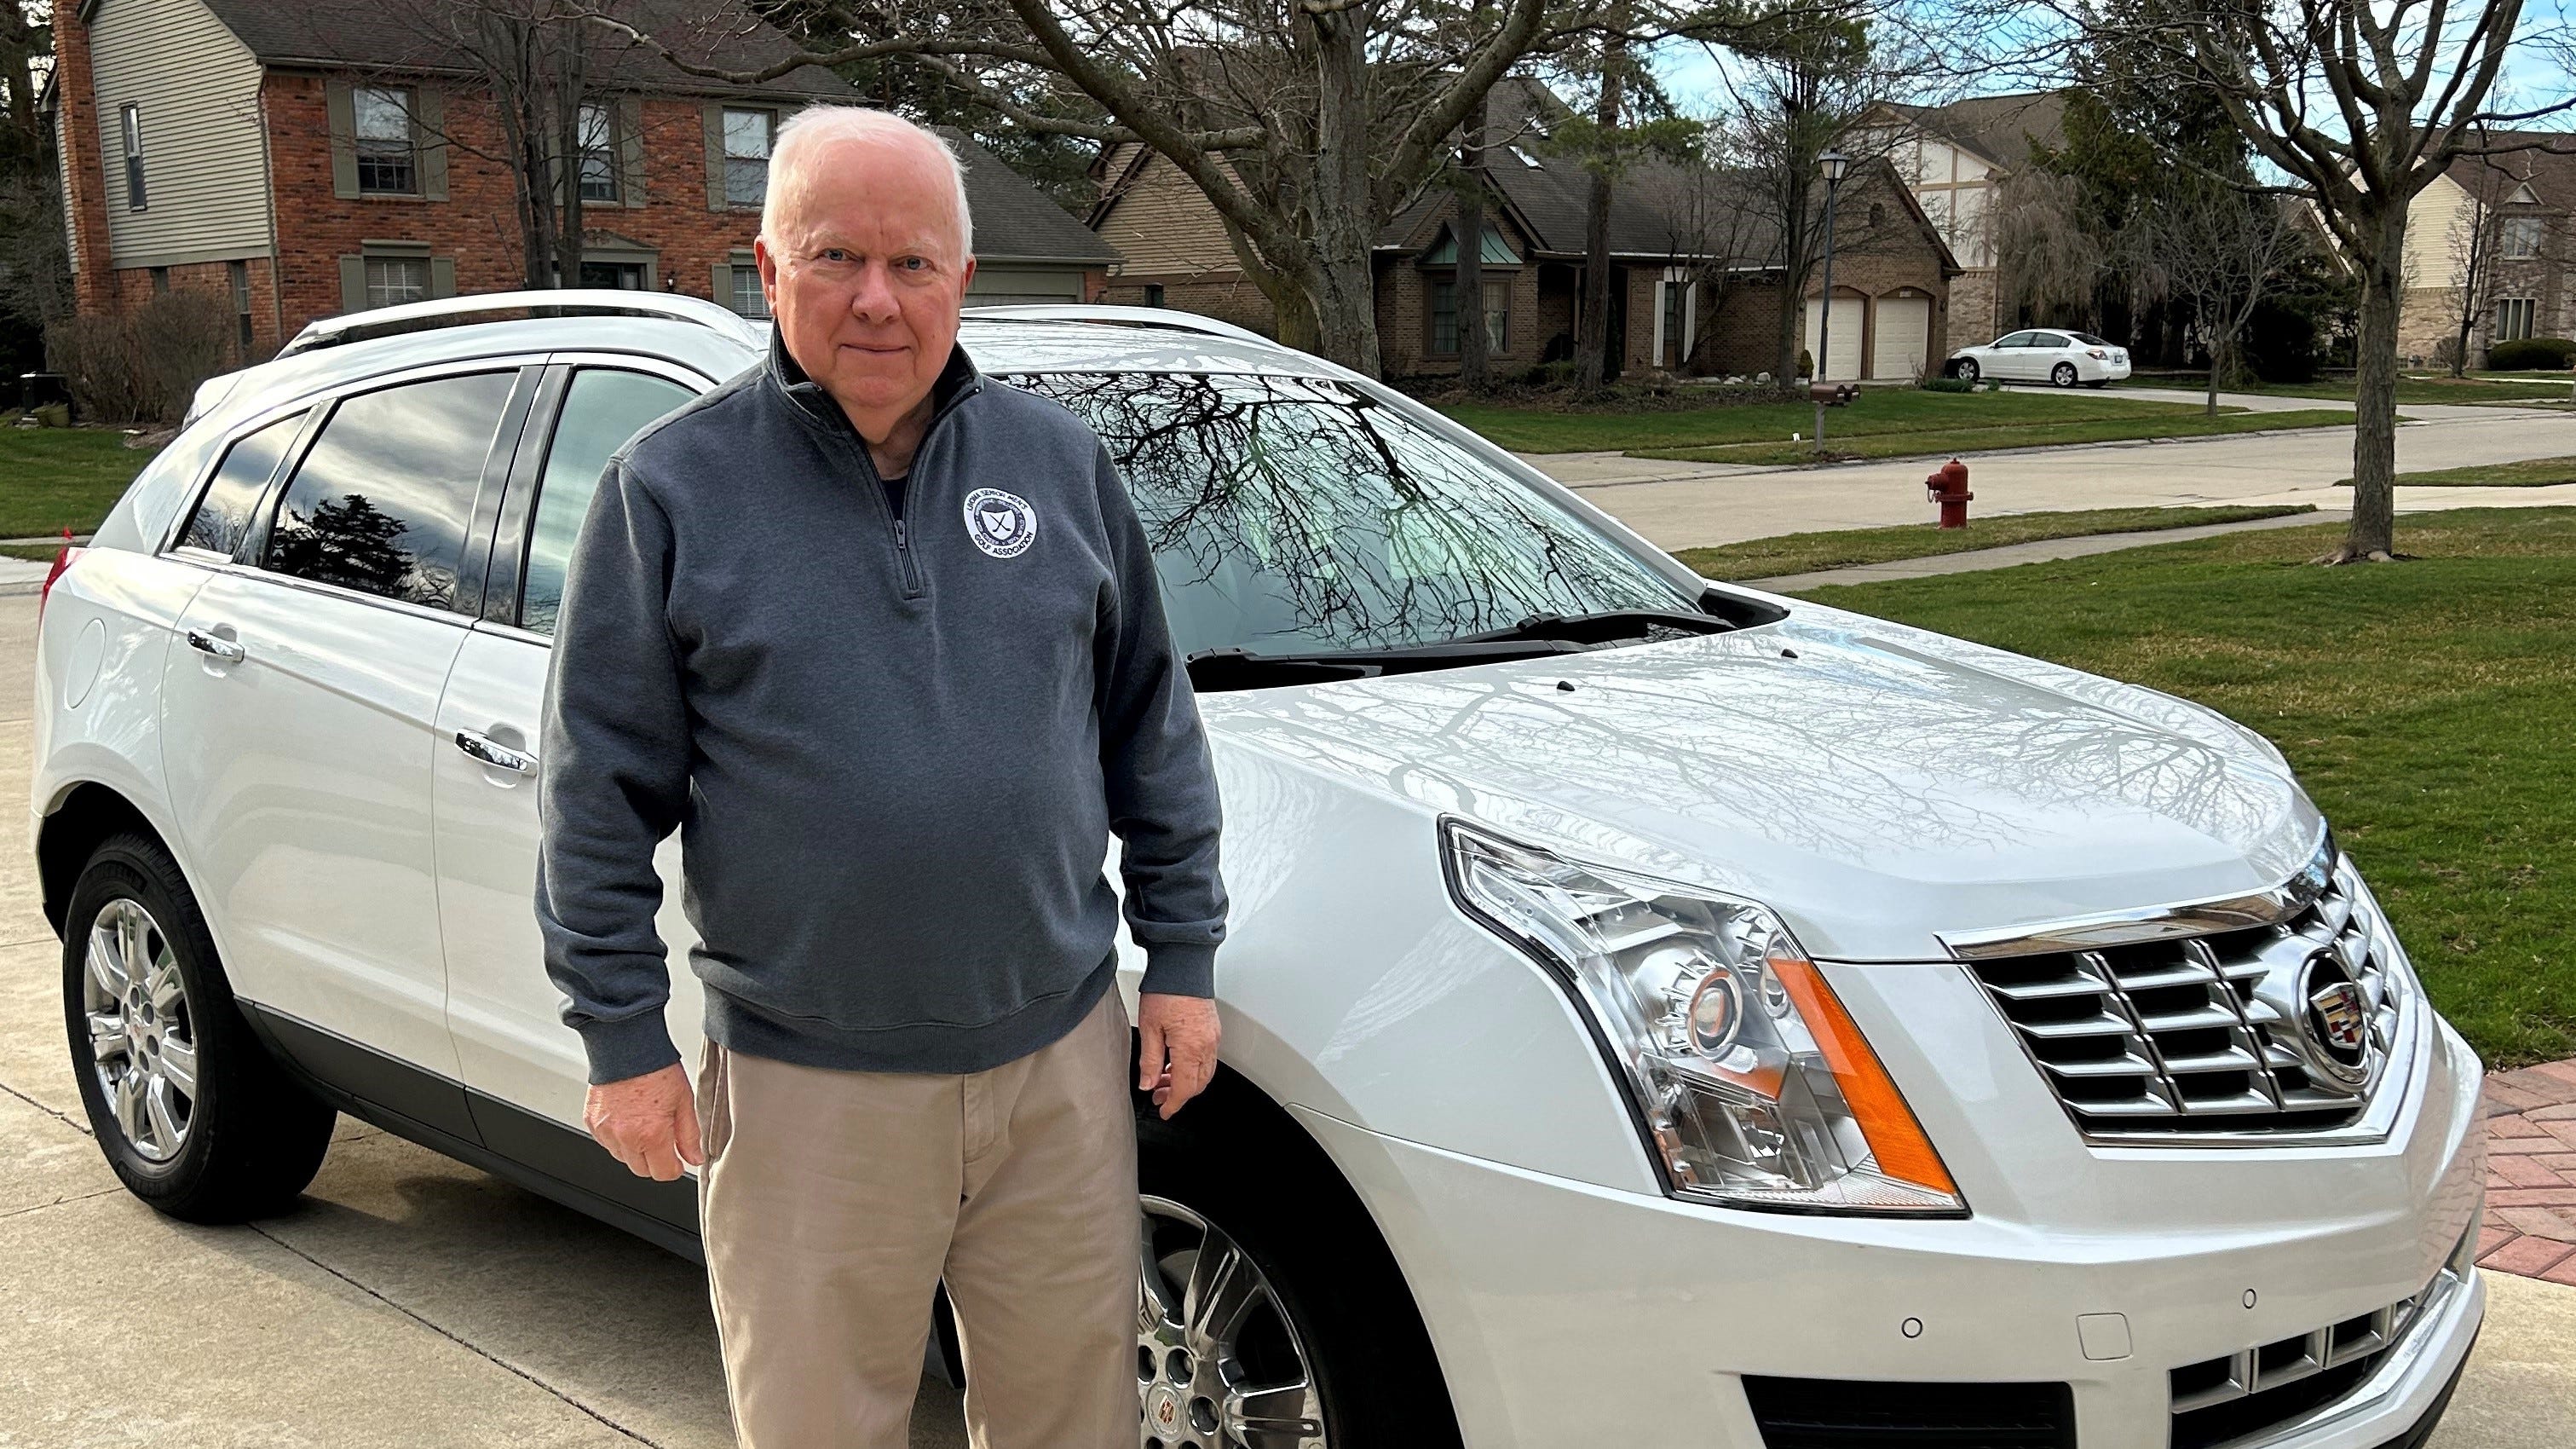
(894, 493)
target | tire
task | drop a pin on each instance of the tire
(239, 1139)
(1967, 369)
(2063, 374)
(1325, 1285)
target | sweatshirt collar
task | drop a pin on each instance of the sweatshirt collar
(957, 381)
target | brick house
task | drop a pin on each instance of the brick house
(1693, 287)
(1953, 159)
(307, 159)
(2525, 204)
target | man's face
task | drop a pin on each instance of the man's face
(866, 273)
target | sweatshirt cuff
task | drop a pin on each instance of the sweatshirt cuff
(1178, 969)
(627, 1047)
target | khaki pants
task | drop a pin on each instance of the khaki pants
(834, 1202)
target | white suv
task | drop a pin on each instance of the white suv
(1657, 1013)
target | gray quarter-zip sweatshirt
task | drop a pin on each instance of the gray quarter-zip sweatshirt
(895, 749)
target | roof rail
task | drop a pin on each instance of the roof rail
(570, 301)
(1132, 316)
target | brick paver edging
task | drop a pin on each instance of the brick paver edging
(2530, 1225)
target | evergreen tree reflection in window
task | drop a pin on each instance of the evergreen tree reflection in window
(1295, 514)
(381, 500)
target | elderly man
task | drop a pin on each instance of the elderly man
(881, 638)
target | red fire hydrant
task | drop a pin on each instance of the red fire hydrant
(1949, 487)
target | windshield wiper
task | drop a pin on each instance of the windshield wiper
(1223, 669)
(1606, 627)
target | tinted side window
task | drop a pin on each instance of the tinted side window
(223, 515)
(601, 410)
(381, 501)
(2018, 339)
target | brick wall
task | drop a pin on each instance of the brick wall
(1404, 320)
(477, 225)
(1973, 308)
(1228, 296)
(94, 287)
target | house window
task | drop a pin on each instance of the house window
(132, 121)
(1444, 318)
(746, 155)
(748, 299)
(392, 280)
(2519, 237)
(598, 152)
(1674, 355)
(239, 273)
(2513, 318)
(385, 163)
(1498, 316)
(1153, 294)
(160, 281)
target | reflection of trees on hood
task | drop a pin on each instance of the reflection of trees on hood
(1293, 513)
(1848, 749)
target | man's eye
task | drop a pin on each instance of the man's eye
(916, 264)
(833, 254)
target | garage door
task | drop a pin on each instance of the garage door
(998, 286)
(1904, 337)
(1844, 364)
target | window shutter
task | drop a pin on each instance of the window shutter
(353, 284)
(429, 141)
(714, 112)
(442, 276)
(630, 149)
(344, 137)
(722, 293)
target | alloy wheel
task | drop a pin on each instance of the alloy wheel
(1218, 1364)
(142, 1032)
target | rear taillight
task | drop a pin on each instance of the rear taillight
(62, 561)
(2096, 352)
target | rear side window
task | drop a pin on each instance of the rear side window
(601, 410)
(381, 501)
(2018, 339)
(223, 516)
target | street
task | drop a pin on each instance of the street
(1695, 505)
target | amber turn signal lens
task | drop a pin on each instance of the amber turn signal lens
(1895, 1138)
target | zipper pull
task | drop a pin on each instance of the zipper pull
(898, 533)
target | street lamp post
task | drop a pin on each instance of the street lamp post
(1834, 164)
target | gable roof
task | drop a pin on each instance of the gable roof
(2548, 169)
(1016, 222)
(408, 35)
(1999, 128)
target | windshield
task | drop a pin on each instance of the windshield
(1297, 515)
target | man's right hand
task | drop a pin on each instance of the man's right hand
(650, 1122)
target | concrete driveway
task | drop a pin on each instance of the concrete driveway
(1694, 505)
(412, 1303)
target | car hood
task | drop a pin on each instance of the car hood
(1874, 784)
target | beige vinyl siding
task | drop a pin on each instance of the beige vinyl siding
(2437, 234)
(1163, 223)
(63, 174)
(205, 179)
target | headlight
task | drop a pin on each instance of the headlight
(1755, 1087)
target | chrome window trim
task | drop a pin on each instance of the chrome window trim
(514, 632)
(335, 591)
(195, 496)
(2155, 923)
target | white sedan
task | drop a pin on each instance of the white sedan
(2039, 355)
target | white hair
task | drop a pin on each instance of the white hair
(815, 126)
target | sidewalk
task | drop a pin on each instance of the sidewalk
(2531, 1173)
(2041, 550)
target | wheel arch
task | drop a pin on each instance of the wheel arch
(86, 815)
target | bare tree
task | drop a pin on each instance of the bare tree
(1474, 342)
(2356, 105)
(1307, 124)
(2215, 248)
(2058, 256)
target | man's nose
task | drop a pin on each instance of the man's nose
(874, 300)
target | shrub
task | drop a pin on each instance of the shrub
(1806, 363)
(1946, 384)
(2531, 354)
(143, 365)
(1560, 373)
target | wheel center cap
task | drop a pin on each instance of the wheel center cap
(1163, 1409)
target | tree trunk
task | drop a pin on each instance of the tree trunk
(1592, 343)
(1341, 286)
(1470, 289)
(2374, 401)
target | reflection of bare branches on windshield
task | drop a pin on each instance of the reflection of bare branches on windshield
(1297, 514)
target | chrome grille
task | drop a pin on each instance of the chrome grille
(2218, 1032)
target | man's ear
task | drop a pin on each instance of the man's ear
(966, 278)
(767, 260)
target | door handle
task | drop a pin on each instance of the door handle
(498, 756)
(228, 651)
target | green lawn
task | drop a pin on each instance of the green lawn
(1879, 410)
(2475, 388)
(57, 478)
(1798, 553)
(1943, 442)
(2430, 707)
(2530, 473)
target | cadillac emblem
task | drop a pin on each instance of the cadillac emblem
(2337, 1019)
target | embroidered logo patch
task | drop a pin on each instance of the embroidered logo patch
(1002, 524)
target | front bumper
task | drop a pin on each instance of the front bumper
(1569, 1313)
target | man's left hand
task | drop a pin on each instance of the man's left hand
(1176, 1048)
